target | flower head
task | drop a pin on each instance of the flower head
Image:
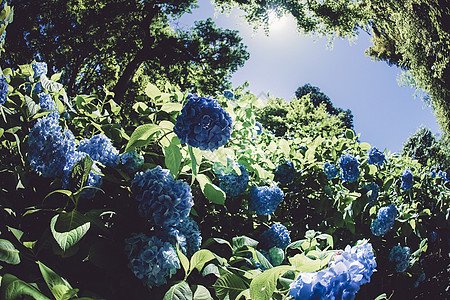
(276, 236)
(187, 235)
(151, 259)
(264, 200)
(376, 157)
(407, 180)
(132, 161)
(400, 255)
(372, 191)
(285, 172)
(258, 128)
(46, 101)
(228, 94)
(233, 184)
(203, 123)
(100, 148)
(349, 168)
(385, 220)
(163, 201)
(330, 170)
(3, 90)
(39, 68)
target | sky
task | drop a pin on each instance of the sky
(385, 114)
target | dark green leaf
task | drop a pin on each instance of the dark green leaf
(141, 136)
(229, 285)
(79, 174)
(179, 291)
(12, 288)
(70, 234)
(8, 253)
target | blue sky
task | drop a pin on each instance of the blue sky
(385, 114)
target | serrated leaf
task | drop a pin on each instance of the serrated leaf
(69, 238)
(179, 291)
(201, 293)
(263, 285)
(32, 106)
(211, 269)
(9, 253)
(173, 157)
(229, 285)
(13, 288)
(141, 136)
(200, 258)
(50, 85)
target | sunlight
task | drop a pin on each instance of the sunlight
(277, 24)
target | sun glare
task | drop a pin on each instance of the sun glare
(277, 24)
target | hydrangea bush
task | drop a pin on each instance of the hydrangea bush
(264, 200)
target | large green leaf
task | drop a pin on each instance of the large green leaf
(200, 258)
(56, 284)
(152, 91)
(71, 234)
(50, 85)
(263, 285)
(229, 285)
(304, 264)
(79, 174)
(141, 136)
(8, 253)
(214, 194)
(172, 155)
(201, 293)
(179, 291)
(184, 261)
(12, 288)
(241, 241)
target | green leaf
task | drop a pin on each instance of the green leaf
(62, 292)
(200, 258)
(12, 288)
(263, 285)
(214, 194)
(263, 260)
(173, 157)
(211, 269)
(327, 237)
(50, 85)
(141, 136)
(184, 260)
(196, 159)
(32, 106)
(70, 237)
(201, 293)
(350, 134)
(365, 146)
(381, 297)
(79, 174)
(16, 232)
(388, 183)
(241, 241)
(285, 148)
(152, 91)
(170, 107)
(229, 285)
(8, 253)
(56, 284)
(179, 291)
(304, 264)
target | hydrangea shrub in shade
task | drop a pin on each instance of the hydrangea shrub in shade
(258, 128)
(49, 147)
(233, 184)
(188, 236)
(163, 201)
(341, 280)
(151, 259)
(276, 236)
(349, 167)
(407, 180)
(385, 220)
(39, 68)
(228, 94)
(132, 161)
(330, 170)
(284, 173)
(400, 255)
(376, 157)
(372, 192)
(203, 124)
(100, 148)
(3, 90)
(264, 200)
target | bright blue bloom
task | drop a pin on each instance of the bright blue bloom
(132, 161)
(233, 184)
(341, 280)
(203, 124)
(400, 255)
(276, 236)
(372, 191)
(407, 180)
(49, 147)
(187, 235)
(284, 173)
(228, 94)
(349, 168)
(100, 148)
(46, 101)
(151, 259)
(330, 170)
(39, 68)
(433, 174)
(376, 157)
(258, 128)
(163, 201)
(264, 200)
(443, 175)
(385, 220)
(3, 90)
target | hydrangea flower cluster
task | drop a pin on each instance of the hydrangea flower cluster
(188, 236)
(330, 170)
(203, 123)
(258, 128)
(46, 101)
(39, 68)
(400, 255)
(228, 94)
(385, 220)
(443, 175)
(376, 157)
(407, 180)
(151, 259)
(100, 148)
(264, 200)
(132, 161)
(349, 167)
(3, 90)
(163, 201)
(284, 173)
(276, 236)
(233, 184)
(341, 280)
(372, 191)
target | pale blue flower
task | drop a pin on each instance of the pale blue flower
(233, 184)
(39, 68)
(100, 148)
(385, 220)
(3, 90)
(132, 161)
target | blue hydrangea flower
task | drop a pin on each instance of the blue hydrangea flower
(46, 101)
(163, 201)
(284, 173)
(132, 161)
(443, 175)
(349, 168)
(187, 235)
(39, 68)
(400, 255)
(276, 236)
(100, 148)
(330, 170)
(385, 220)
(372, 191)
(49, 147)
(433, 236)
(228, 94)
(151, 259)
(376, 157)
(258, 128)
(407, 180)
(264, 200)
(419, 280)
(433, 174)
(203, 124)
(233, 184)
(341, 280)
(3, 90)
